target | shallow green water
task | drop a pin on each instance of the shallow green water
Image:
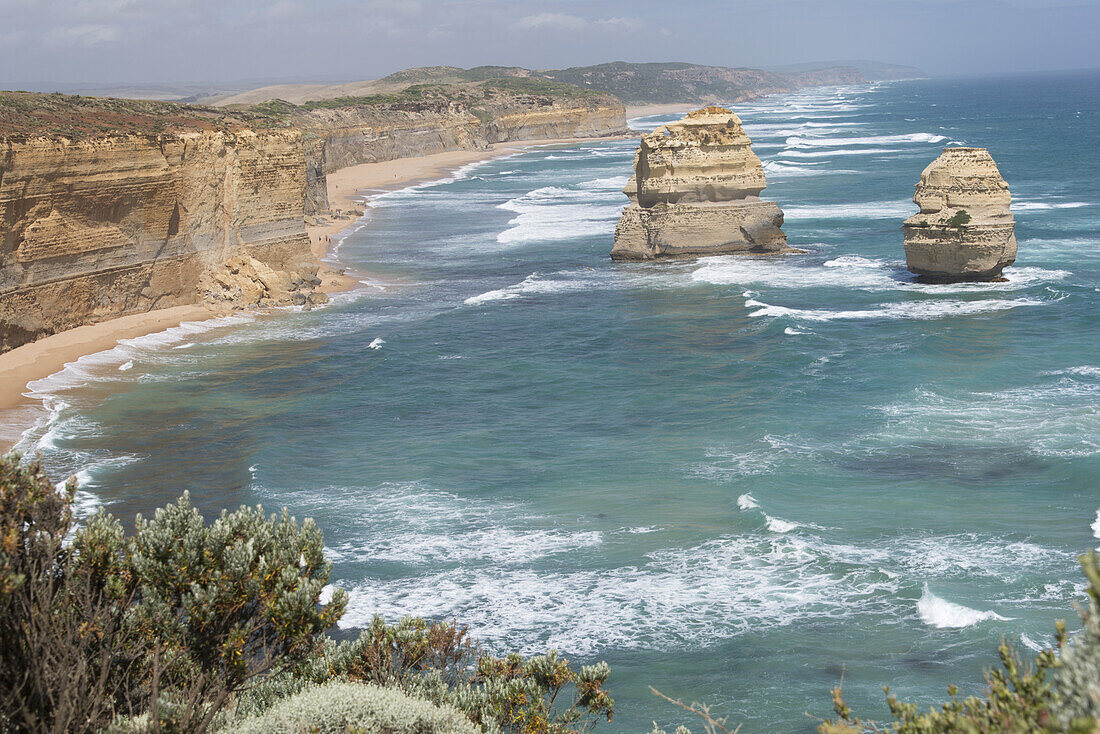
(731, 478)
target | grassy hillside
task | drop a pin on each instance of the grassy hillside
(631, 83)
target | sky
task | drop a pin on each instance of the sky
(131, 42)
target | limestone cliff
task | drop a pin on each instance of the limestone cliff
(965, 229)
(695, 191)
(351, 134)
(106, 226)
(111, 207)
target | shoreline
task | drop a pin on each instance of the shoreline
(50, 354)
(646, 110)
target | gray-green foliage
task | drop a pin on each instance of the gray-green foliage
(340, 707)
(438, 663)
(1077, 677)
(224, 601)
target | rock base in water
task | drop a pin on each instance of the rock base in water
(686, 230)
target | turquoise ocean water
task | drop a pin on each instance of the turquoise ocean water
(731, 478)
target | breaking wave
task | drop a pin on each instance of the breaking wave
(944, 614)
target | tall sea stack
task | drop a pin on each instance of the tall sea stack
(695, 191)
(965, 229)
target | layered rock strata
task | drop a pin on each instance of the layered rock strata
(112, 207)
(351, 135)
(695, 191)
(965, 229)
(104, 227)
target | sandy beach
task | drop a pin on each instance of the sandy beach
(48, 355)
(346, 190)
(660, 109)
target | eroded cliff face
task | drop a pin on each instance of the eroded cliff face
(104, 227)
(965, 229)
(695, 191)
(112, 207)
(347, 136)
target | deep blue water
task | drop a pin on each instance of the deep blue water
(731, 478)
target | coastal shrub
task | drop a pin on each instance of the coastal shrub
(438, 662)
(154, 631)
(63, 664)
(959, 220)
(340, 707)
(1077, 677)
(214, 606)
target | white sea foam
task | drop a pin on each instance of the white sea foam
(1053, 417)
(558, 213)
(923, 310)
(570, 281)
(1032, 644)
(376, 343)
(866, 210)
(821, 142)
(793, 332)
(127, 365)
(1025, 206)
(944, 614)
(853, 271)
(672, 597)
(728, 464)
(678, 596)
(777, 525)
(1084, 370)
(785, 170)
(1096, 526)
(840, 151)
(747, 502)
(611, 183)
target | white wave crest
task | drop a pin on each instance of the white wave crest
(779, 169)
(924, 310)
(747, 502)
(866, 210)
(944, 614)
(841, 151)
(1025, 206)
(557, 213)
(376, 343)
(823, 142)
(776, 525)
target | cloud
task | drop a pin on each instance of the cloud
(555, 21)
(574, 23)
(87, 35)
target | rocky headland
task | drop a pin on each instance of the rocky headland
(964, 229)
(695, 191)
(113, 207)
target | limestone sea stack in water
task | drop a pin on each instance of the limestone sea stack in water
(965, 229)
(695, 191)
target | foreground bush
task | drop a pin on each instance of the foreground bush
(439, 663)
(340, 707)
(171, 621)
